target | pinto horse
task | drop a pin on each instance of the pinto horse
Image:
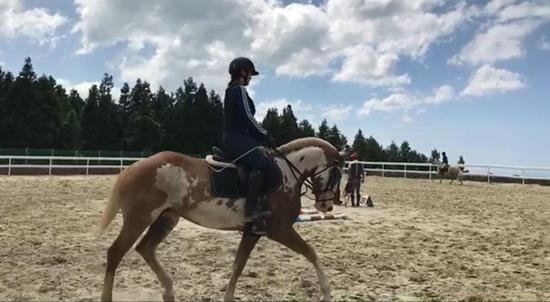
(155, 192)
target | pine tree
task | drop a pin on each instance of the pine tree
(337, 139)
(404, 151)
(359, 145)
(142, 131)
(109, 122)
(272, 123)
(289, 125)
(17, 122)
(392, 152)
(91, 120)
(305, 129)
(435, 156)
(323, 131)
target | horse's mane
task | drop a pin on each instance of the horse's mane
(305, 142)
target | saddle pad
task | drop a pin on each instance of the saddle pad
(229, 183)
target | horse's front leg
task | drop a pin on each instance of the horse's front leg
(290, 238)
(243, 252)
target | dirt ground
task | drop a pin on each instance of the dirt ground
(421, 241)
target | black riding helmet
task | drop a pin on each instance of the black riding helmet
(242, 63)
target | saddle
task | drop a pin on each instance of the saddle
(230, 180)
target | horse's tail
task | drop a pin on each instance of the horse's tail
(110, 211)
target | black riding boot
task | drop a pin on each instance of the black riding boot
(253, 215)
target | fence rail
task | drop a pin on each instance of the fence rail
(12, 162)
(53, 162)
(475, 170)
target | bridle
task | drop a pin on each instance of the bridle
(334, 177)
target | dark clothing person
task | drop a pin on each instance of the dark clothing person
(242, 133)
(444, 163)
(356, 175)
(243, 138)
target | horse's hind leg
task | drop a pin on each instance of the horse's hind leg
(147, 246)
(290, 238)
(128, 235)
(245, 247)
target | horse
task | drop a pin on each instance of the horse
(452, 172)
(155, 192)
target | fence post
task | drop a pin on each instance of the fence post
(382, 170)
(522, 176)
(50, 167)
(87, 166)
(489, 175)
(121, 164)
(405, 169)
(430, 172)
(9, 166)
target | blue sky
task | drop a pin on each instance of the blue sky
(467, 77)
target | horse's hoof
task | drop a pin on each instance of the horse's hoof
(168, 297)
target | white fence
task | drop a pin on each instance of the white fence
(490, 171)
(70, 162)
(11, 162)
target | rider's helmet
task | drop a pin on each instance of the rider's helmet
(242, 63)
(443, 153)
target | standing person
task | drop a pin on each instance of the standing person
(243, 136)
(356, 176)
(444, 162)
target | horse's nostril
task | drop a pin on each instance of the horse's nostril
(330, 209)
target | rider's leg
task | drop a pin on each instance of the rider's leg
(258, 163)
(255, 181)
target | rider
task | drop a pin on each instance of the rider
(243, 137)
(444, 162)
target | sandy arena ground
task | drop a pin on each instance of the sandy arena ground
(422, 240)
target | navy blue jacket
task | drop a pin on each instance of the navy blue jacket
(239, 113)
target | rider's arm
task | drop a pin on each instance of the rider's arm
(246, 114)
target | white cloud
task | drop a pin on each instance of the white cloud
(508, 25)
(441, 94)
(489, 80)
(407, 119)
(401, 101)
(37, 23)
(364, 66)
(335, 112)
(199, 38)
(499, 42)
(298, 107)
(83, 88)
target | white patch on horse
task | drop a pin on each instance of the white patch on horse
(174, 182)
(217, 213)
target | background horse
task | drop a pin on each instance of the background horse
(155, 192)
(452, 173)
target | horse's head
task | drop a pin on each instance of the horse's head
(326, 181)
(319, 165)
